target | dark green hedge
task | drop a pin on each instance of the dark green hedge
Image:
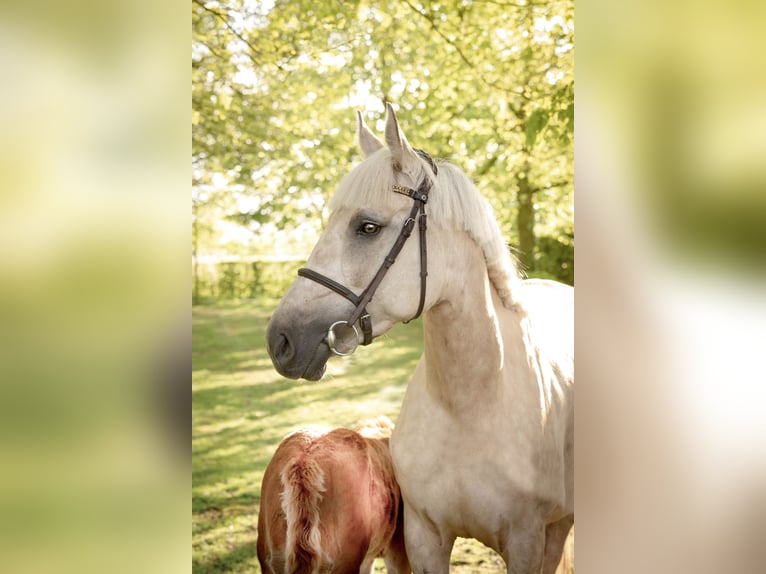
(242, 279)
(554, 259)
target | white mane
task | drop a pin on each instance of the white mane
(454, 202)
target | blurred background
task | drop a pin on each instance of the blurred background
(94, 284)
(671, 298)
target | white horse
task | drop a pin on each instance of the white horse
(484, 444)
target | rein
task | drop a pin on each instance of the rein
(360, 302)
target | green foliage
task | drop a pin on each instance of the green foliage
(554, 260)
(487, 85)
(535, 123)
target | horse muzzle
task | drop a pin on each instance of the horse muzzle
(301, 352)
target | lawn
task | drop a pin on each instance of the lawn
(242, 408)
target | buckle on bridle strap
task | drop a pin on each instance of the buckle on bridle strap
(415, 194)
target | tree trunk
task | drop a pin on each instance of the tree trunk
(526, 220)
(195, 263)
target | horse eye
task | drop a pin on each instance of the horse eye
(368, 228)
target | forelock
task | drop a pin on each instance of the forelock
(369, 183)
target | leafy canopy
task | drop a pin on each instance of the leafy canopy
(487, 85)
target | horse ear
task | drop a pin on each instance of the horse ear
(401, 151)
(368, 141)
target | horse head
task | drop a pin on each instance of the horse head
(350, 290)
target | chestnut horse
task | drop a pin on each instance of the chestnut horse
(484, 444)
(330, 503)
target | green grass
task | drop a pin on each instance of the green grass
(242, 408)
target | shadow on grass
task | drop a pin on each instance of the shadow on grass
(242, 409)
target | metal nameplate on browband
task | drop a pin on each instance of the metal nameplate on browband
(409, 192)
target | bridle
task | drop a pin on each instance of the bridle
(360, 302)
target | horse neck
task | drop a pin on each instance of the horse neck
(463, 342)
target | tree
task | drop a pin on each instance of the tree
(486, 84)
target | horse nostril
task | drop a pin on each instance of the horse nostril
(283, 349)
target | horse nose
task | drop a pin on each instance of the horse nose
(283, 349)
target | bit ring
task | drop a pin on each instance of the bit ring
(331, 339)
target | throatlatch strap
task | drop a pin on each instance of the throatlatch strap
(427, 156)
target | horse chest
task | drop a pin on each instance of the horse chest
(462, 494)
(476, 476)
